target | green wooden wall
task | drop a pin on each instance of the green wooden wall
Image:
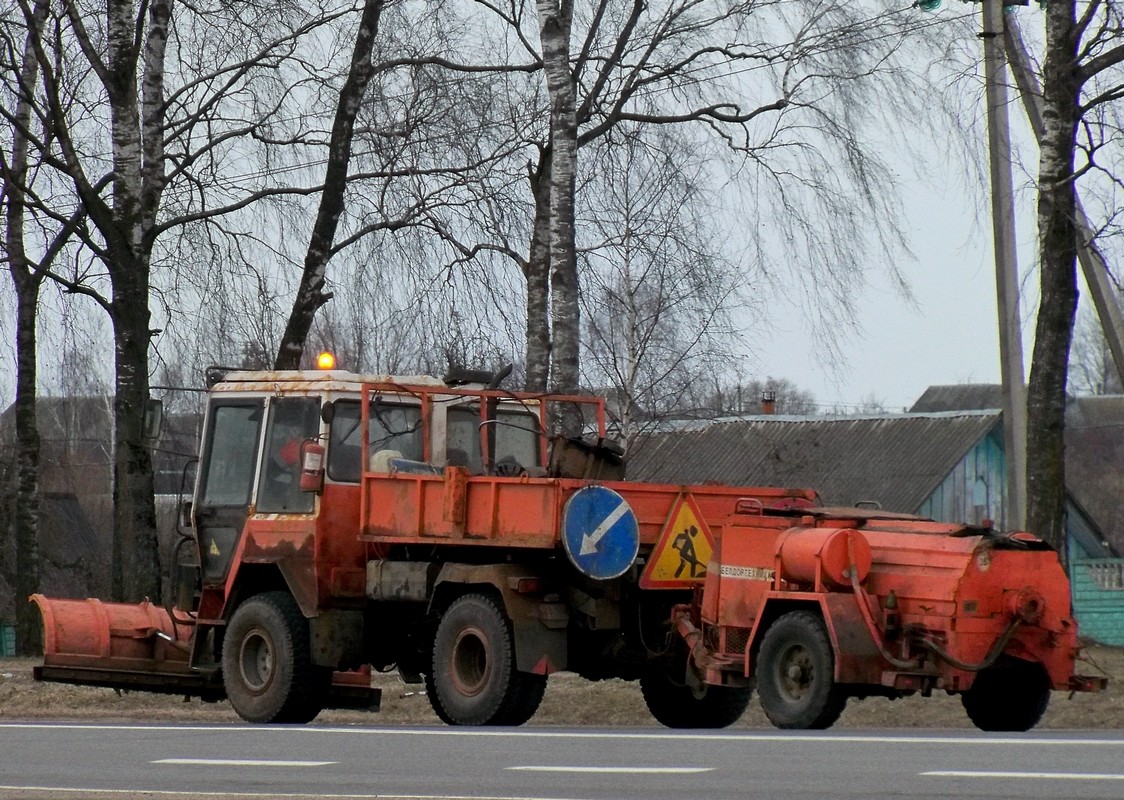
(1098, 598)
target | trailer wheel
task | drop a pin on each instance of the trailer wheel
(674, 704)
(266, 662)
(474, 680)
(796, 674)
(1010, 696)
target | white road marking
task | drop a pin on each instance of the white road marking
(1013, 741)
(242, 762)
(1039, 776)
(617, 770)
(88, 791)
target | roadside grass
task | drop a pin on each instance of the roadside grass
(570, 701)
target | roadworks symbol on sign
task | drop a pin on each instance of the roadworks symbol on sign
(684, 549)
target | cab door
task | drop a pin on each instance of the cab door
(230, 457)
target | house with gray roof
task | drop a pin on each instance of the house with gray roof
(939, 460)
(947, 465)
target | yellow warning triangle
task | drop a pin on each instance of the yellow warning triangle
(684, 549)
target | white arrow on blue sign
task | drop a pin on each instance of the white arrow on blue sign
(600, 532)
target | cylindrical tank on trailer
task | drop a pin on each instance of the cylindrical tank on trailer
(829, 553)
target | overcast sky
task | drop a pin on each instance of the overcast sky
(950, 336)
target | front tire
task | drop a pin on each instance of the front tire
(266, 662)
(474, 680)
(1010, 696)
(796, 674)
(675, 705)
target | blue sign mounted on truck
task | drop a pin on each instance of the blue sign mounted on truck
(600, 532)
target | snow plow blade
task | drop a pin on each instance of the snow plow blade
(119, 645)
(138, 647)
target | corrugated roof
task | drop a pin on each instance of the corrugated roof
(959, 397)
(1090, 412)
(896, 460)
(1094, 461)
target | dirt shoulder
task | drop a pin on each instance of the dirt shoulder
(569, 701)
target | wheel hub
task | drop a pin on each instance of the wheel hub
(472, 662)
(796, 673)
(256, 660)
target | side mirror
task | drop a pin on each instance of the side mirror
(153, 418)
(312, 466)
(183, 521)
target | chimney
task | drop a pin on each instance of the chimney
(768, 401)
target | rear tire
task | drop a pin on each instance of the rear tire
(474, 680)
(266, 662)
(1010, 696)
(796, 674)
(676, 706)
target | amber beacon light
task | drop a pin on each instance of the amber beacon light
(325, 361)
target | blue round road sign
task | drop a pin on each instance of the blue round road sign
(600, 532)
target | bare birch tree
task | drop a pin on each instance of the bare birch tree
(1082, 78)
(658, 295)
(777, 93)
(165, 142)
(27, 281)
(310, 294)
(555, 23)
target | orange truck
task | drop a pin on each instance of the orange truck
(341, 524)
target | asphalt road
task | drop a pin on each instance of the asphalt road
(160, 761)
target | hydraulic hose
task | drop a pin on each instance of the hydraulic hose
(992, 656)
(861, 598)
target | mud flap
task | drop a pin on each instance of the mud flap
(539, 627)
(857, 659)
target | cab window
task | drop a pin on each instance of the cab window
(517, 437)
(516, 434)
(228, 475)
(292, 421)
(345, 446)
(395, 427)
(462, 437)
(392, 427)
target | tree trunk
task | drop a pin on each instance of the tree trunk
(1058, 281)
(311, 295)
(555, 24)
(136, 191)
(537, 274)
(25, 515)
(136, 557)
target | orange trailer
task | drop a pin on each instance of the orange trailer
(820, 605)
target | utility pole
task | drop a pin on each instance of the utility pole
(1006, 262)
(1093, 264)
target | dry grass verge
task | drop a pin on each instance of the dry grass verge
(569, 701)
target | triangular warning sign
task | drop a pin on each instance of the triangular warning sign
(685, 546)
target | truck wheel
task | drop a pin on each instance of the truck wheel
(676, 706)
(266, 662)
(795, 674)
(474, 680)
(521, 708)
(1010, 696)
